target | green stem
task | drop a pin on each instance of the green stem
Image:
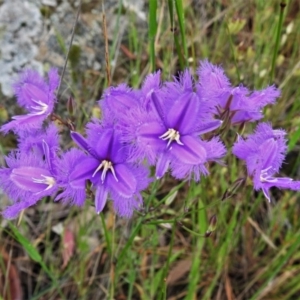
(163, 290)
(181, 20)
(152, 32)
(106, 234)
(233, 54)
(277, 41)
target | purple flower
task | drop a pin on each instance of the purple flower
(37, 97)
(32, 141)
(116, 101)
(264, 152)
(150, 85)
(169, 133)
(106, 166)
(28, 178)
(243, 105)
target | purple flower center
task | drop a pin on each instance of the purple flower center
(105, 165)
(171, 135)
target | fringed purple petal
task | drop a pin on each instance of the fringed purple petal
(149, 133)
(207, 127)
(191, 152)
(23, 123)
(183, 115)
(117, 101)
(162, 164)
(150, 85)
(30, 86)
(100, 198)
(125, 183)
(157, 105)
(84, 169)
(182, 171)
(83, 143)
(53, 80)
(269, 153)
(73, 186)
(214, 148)
(212, 79)
(73, 195)
(14, 210)
(31, 141)
(32, 179)
(264, 97)
(126, 206)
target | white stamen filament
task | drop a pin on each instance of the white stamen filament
(265, 177)
(41, 107)
(50, 181)
(171, 135)
(106, 165)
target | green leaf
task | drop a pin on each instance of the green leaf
(29, 248)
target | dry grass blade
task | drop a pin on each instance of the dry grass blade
(263, 235)
(178, 271)
(10, 284)
(107, 64)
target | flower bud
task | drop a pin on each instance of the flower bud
(71, 106)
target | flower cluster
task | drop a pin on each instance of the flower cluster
(169, 126)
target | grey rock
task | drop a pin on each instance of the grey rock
(30, 39)
(20, 25)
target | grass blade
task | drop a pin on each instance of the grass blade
(277, 41)
(152, 32)
(181, 20)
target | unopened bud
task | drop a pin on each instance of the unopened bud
(234, 187)
(212, 226)
(225, 117)
(237, 184)
(71, 106)
(228, 103)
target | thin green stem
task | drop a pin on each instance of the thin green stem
(106, 234)
(175, 33)
(181, 20)
(138, 225)
(233, 54)
(152, 32)
(277, 41)
(163, 290)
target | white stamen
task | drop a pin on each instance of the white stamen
(106, 165)
(41, 107)
(50, 181)
(171, 135)
(265, 177)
